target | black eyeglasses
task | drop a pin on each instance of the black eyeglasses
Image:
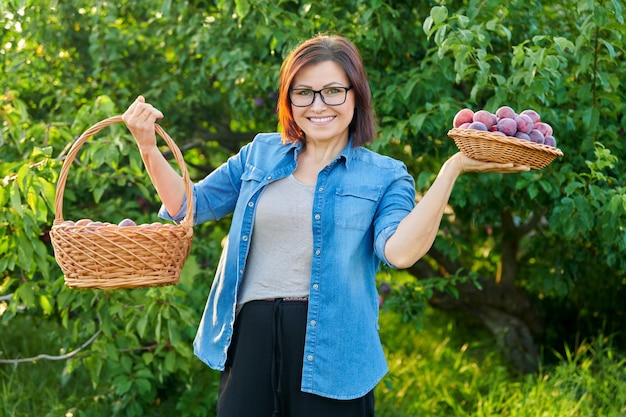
(331, 96)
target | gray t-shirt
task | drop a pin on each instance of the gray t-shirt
(279, 261)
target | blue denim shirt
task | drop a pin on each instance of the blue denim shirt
(359, 200)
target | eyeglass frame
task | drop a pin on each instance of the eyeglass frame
(345, 97)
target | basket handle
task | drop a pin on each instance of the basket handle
(187, 221)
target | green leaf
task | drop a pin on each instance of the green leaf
(147, 357)
(439, 14)
(609, 48)
(143, 385)
(98, 192)
(423, 179)
(408, 88)
(24, 175)
(157, 329)
(94, 363)
(26, 293)
(127, 363)
(4, 195)
(572, 187)
(170, 361)
(112, 352)
(122, 385)
(440, 34)
(547, 186)
(142, 325)
(16, 201)
(617, 202)
(564, 43)
(427, 25)
(242, 8)
(174, 333)
(45, 303)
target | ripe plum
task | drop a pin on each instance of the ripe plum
(485, 117)
(505, 112)
(507, 126)
(126, 223)
(524, 123)
(544, 128)
(550, 141)
(462, 117)
(533, 115)
(536, 136)
(478, 126)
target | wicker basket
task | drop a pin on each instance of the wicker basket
(491, 147)
(112, 256)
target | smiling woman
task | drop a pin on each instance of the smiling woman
(324, 126)
(292, 317)
(340, 59)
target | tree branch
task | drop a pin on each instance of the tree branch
(52, 357)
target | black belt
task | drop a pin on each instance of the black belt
(289, 299)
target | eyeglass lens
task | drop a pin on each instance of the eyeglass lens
(332, 96)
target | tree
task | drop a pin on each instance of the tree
(536, 243)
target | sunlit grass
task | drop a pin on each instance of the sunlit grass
(450, 368)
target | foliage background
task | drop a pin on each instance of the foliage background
(211, 66)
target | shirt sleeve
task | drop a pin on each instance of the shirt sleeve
(215, 196)
(396, 203)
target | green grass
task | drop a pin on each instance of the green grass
(448, 368)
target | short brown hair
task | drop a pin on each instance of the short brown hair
(320, 49)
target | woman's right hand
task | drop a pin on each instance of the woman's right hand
(140, 118)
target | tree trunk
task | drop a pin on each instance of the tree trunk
(507, 311)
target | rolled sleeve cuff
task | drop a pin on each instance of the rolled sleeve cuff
(178, 217)
(381, 241)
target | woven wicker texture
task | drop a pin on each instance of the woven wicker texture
(114, 257)
(491, 147)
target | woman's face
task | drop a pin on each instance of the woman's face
(319, 121)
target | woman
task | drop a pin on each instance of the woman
(291, 319)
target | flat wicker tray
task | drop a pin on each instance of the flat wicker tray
(491, 147)
(114, 257)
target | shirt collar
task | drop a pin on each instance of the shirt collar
(347, 154)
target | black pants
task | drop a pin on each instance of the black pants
(264, 368)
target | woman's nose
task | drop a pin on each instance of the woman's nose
(318, 102)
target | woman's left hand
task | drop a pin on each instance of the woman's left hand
(467, 164)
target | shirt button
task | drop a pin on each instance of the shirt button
(317, 217)
(313, 323)
(309, 358)
(251, 204)
(316, 286)
(321, 189)
(317, 252)
(245, 238)
(269, 177)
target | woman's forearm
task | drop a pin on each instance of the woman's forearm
(168, 183)
(417, 231)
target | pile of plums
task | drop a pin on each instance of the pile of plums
(526, 125)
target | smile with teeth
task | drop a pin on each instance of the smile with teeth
(321, 119)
